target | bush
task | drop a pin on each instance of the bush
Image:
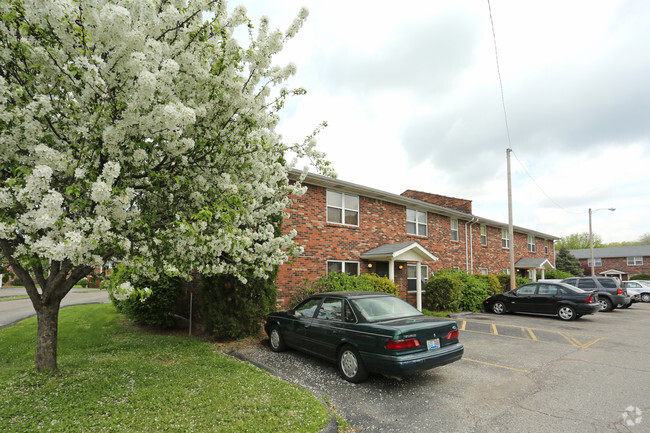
(504, 279)
(340, 282)
(640, 277)
(83, 282)
(233, 310)
(17, 282)
(156, 309)
(443, 292)
(475, 290)
(493, 283)
(555, 274)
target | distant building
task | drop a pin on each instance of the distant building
(620, 262)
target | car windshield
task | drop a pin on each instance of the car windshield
(384, 308)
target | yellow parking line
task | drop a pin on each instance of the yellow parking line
(532, 334)
(497, 365)
(462, 326)
(569, 339)
(494, 329)
(584, 346)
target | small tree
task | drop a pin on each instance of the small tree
(139, 131)
(567, 262)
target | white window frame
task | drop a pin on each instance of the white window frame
(484, 271)
(424, 270)
(454, 230)
(532, 245)
(343, 265)
(505, 239)
(455, 268)
(484, 235)
(420, 222)
(635, 261)
(343, 208)
(597, 262)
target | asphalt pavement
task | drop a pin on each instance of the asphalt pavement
(16, 310)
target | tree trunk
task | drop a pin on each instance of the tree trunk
(47, 336)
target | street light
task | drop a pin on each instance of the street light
(591, 236)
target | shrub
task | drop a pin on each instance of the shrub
(156, 309)
(504, 279)
(17, 282)
(340, 282)
(83, 282)
(443, 292)
(475, 290)
(233, 310)
(640, 277)
(493, 283)
(555, 274)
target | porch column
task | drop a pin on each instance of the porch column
(543, 271)
(391, 270)
(418, 286)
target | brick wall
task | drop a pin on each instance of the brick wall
(380, 223)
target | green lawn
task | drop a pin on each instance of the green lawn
(114, 377)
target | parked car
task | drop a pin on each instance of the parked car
(563, 300)
(610, 293)
(366, 332)
(643, 286)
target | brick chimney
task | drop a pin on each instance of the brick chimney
(458, 204)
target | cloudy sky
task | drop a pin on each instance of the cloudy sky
(411, 94)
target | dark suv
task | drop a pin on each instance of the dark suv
(610, 293)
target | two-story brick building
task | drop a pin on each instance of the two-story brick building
(345, 227)
(619, 262)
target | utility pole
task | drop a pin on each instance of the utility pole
(511, 230)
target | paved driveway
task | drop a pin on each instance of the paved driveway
(520, 373)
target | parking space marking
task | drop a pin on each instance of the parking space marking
(496, 365)
(530, 334)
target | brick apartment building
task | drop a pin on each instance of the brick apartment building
(345, 227)
(619, 262)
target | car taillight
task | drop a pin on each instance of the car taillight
(619, 291)
(589, 300)
(453, 334)
(403, 344)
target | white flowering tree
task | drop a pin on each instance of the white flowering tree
(143, 131)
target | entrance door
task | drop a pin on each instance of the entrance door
(382, 269)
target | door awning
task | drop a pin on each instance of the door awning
(407, 252)
(534, 264)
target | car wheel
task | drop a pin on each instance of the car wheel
(498, 307)
(351, 366)
(276, 340)
(605, 304)
(566, 313)
(645, 297)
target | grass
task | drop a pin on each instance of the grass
(438, 313)
(116, 377)
(13, 298)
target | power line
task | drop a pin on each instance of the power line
(505, 116)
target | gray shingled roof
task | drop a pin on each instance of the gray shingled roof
(604, 253)
(533, 264)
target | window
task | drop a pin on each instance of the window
(505, 238)
(597, 262)
(586, 283)
(506, 271)
(330, 310)
(411, 272)
(307, 308)
(546, 247)
(484, 271)
(454, 229)
(526, 290)
(351, 268)
(342, 208)
(547, 289)
(455, 268)
(483, 234)
(635, 261)
(416, 222)
(532, 247)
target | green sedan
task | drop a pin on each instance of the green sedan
(365, 332)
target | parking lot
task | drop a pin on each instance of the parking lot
(520, 373)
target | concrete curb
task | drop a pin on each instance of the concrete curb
(332, 425)
(465, 313)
